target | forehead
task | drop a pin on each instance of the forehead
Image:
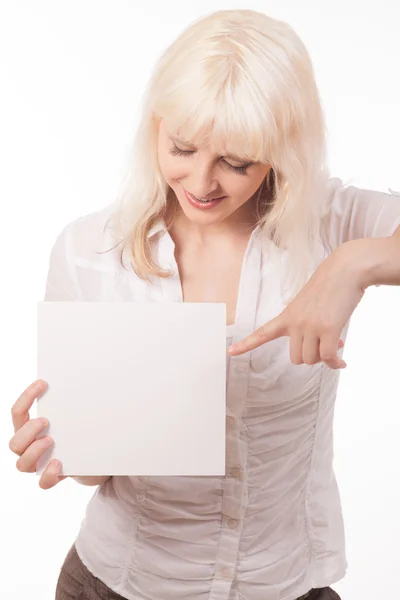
(187, 136)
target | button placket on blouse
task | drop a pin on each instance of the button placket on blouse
(234, 501)
(248, 294)
(235, 489)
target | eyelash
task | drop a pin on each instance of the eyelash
(239, 170)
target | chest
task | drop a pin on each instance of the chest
(212, 277)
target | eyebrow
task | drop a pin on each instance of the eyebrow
(231, 156)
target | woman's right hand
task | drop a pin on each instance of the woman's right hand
(24, 442)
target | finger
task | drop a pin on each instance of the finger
(28, 460)
(51, 475)
(268, 332)
(20, 410)
(296, 348)
(311, 353)
(311, 349)
(328, 351)
(27, 434)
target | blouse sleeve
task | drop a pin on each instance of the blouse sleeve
(62, 281)
(352, 213)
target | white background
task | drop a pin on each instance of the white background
(71, 77)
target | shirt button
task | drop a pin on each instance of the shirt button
(232, 523)
(225, 573)
(230, 420)
(235, 472)
(241, 366)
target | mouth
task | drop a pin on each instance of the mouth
(203, 202)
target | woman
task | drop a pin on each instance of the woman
(228, 199)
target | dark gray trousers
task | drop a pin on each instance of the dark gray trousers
(76, 582)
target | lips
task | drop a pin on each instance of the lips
(201, 205)
(204, 199)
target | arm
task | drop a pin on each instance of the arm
(376, 260)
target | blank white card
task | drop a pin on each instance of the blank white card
(133, 389)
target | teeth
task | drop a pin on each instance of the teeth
(201, 199)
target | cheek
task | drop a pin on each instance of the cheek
(241, 188)
(171, 170)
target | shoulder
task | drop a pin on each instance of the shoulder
(334, 193)
(90, 234)
(351, 212)
(343, 194)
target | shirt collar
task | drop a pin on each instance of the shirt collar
(157, 228)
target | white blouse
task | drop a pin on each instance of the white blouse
(271, 528)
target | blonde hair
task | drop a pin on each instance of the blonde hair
(244, 81)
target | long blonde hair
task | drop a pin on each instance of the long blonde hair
(244, 81)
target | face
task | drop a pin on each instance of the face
(196, 176)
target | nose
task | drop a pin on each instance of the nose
(203, 183)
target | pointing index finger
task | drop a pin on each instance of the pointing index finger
(266, 333)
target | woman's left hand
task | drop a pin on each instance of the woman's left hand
(315, 318)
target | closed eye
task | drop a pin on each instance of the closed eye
(242, 170)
